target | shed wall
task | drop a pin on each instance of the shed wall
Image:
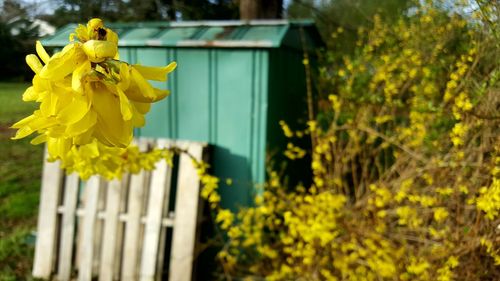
(218, 96)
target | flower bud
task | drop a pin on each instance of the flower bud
(97, 50)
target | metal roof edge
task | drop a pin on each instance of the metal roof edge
(294, 22)
(57, 41)
(240, 23)
(227, 43)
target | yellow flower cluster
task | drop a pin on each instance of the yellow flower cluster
(112, 162)
(492, 249)
(489, 200)
(86, 94)
(210, 184)
(294, 152)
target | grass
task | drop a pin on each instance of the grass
(20, 172)
(12, 108)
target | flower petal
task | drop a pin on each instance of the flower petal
(155, 73)
(110, 125)
(124, 76)
(140, 90)
(23, 132)
(23, 121)
(30, 94)
(40, 50)
(111, 36)
(34, 63)
(58, 147)
(83, 125)
(74, 111)
(39, 139)
(125, 107)
(142, 107)
(79, 75)
(63, 63)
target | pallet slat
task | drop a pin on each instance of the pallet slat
(159, 190)
(45, 249)
(87, 240)
(186, 216)
(108, 258)
(68, 227)
(133, 222)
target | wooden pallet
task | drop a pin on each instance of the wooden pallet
(118, 230)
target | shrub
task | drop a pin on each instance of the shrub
(406, 163)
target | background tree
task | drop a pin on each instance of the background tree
(261, 9)
(141, 10)
(17, 34)
(339, 20)
(203, 9)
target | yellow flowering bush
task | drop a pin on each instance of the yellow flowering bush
(405, 161)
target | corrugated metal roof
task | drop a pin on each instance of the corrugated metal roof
(229, 34)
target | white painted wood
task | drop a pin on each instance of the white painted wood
(80, 213)
(186, 216)
(163, 234)
(88, 224)
(160, 184)
(108, 258)
(121, 226)
(99, 226)
(168, 222)
(45, 249)
(66, 248)
(133, 222)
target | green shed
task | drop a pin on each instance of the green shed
(235, 81)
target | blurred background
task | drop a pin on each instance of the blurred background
(390, 73)
(23, 21)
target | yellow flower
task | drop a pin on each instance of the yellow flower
(225, 218)
(286, 129)
(86, 94)
(440, 214)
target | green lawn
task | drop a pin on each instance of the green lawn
(20, 169)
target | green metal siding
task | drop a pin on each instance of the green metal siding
(240, 133)
(161, 119)
(218, 96)
(194, 105)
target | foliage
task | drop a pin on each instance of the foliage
(406, 163)
(70, 11)
(348, 16)
(17, 34)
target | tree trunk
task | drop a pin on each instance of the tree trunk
(261, 9)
